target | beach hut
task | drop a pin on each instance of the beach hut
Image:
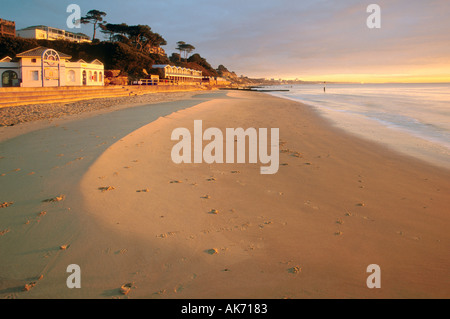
(45, 67)
(178, 74)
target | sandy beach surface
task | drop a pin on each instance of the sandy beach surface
(101, 191)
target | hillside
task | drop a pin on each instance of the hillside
(114, 55)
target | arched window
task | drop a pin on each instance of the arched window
(100, 76)
(90, 76)
(95, 76)
(10, 78)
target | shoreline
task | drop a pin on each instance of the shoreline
(399, 139)
(337, 204)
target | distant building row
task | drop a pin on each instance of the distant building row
(7, 28)
(42, 32)
(177, 74)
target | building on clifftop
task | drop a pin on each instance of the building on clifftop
(7, 28)
(42, 32)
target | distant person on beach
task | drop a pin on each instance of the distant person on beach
(324, 87)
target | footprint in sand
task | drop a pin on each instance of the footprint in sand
(308, 203)
(55, 199)
(6, 204)
(41, 214)
(212, 251)
(106, 188)
(29, 286)
(160, 292)
(125, 289)
(165, 235)
(121, 252)
(295, 270)
(178, 288)
(265, 224)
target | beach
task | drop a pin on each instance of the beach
(42, 115)
(100, 190)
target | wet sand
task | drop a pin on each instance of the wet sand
(132, 219)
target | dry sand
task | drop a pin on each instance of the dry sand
(29, 118)
(136, 222)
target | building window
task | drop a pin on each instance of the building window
(90, 76)
(71, 76)
(100, 75)
(33, 60)
(10, 78)
(35, 75)
(95, 76)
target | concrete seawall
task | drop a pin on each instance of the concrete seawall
(24, 96)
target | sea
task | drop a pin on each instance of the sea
(410, 118)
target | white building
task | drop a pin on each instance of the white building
(42, 32)
(44, 67)
(178, 74)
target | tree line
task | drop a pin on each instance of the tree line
(142, 38)
(126, 49)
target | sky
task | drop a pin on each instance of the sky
(310, 40)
